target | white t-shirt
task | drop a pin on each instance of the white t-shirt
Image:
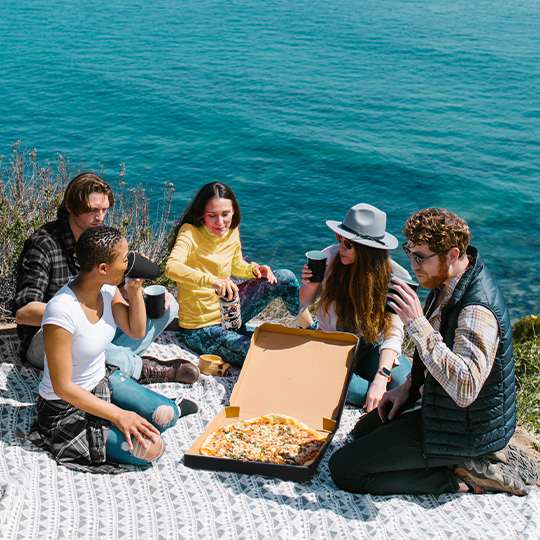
(89, 340)
(328, 321)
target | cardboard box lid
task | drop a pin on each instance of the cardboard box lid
(300, 373)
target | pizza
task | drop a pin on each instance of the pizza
(274, 438)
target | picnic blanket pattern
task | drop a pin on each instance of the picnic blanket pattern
(41, 500)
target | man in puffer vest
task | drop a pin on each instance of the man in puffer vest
(447, 428)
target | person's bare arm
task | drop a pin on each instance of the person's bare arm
(130, 317)
(59, 360)
(31, 314)
(377, 387)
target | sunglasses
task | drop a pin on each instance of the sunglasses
(418, 258)
(347, 243)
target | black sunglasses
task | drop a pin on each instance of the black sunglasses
(418, 258)
(347, 243)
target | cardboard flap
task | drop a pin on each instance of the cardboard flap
(307, 382)
(328, 425)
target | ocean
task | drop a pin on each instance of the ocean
(303, 108)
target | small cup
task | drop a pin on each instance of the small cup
(412, 284)
(155, 301)
(211, 364)
(140, 267)
(316, 261)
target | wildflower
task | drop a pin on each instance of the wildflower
(534, 317)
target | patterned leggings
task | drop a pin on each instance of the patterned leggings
(255, 295)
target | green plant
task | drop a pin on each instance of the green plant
(142, 220)
(526, 329)
(527, 367)
(30, 194)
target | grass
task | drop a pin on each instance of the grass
(527, 367)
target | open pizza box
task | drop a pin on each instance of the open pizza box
(299, 373)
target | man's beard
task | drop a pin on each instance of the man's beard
(437, 280)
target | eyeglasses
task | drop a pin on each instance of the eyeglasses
(347, 243)
(418, 258)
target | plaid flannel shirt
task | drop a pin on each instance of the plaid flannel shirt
(46, 264)
(462, 370)
(76, 439)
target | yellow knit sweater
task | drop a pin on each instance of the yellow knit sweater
(197, 260)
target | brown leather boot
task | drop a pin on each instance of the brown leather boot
(177, 370)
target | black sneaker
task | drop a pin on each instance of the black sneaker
(482, 476)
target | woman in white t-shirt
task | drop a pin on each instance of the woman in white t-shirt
(352, 297)
(88, 414)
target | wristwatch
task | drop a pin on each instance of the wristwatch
(385, 373)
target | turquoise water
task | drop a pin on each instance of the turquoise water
(304, 108)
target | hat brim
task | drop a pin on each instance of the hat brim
(389, 241)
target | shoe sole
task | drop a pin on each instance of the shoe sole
(499, 479)
(519, 461)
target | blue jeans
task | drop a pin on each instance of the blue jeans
(255, 295)
(125, 352)
(131, 396)
(367, 365)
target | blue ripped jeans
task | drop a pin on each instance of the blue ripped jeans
(255, 295)
(125, 352)
(365, 369)
(131, 396)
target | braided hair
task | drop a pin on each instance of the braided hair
(97, 245)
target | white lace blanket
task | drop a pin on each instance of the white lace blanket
(40, 500)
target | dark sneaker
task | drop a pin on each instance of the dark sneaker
(482, 476)
(186, 407)
(178, 370)
(517, 460)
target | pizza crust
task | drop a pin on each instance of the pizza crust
(255, 440)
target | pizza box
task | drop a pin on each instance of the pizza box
(300, 373)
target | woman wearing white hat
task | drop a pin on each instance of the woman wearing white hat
(352, 297)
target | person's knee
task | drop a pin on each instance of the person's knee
(153, 452)
(286, 277)
(165, 416)
(339, 471)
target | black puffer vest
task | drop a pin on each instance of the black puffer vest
(488, 423)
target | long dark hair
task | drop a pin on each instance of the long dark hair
(193, 214)
(358, 292)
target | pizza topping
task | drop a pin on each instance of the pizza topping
(270, 439)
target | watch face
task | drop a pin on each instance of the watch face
(386, 371)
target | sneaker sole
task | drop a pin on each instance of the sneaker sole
(498, 479)
(519, 461)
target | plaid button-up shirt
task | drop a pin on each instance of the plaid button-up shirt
(462, 370)
(46, 264)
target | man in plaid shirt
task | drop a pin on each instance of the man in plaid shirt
(446, 429)
(48, 262)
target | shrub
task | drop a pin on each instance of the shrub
(30, 194)
(527, 368)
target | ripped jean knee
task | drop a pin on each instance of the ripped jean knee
(164, 415)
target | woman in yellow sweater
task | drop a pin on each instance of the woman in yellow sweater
(206, 252)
